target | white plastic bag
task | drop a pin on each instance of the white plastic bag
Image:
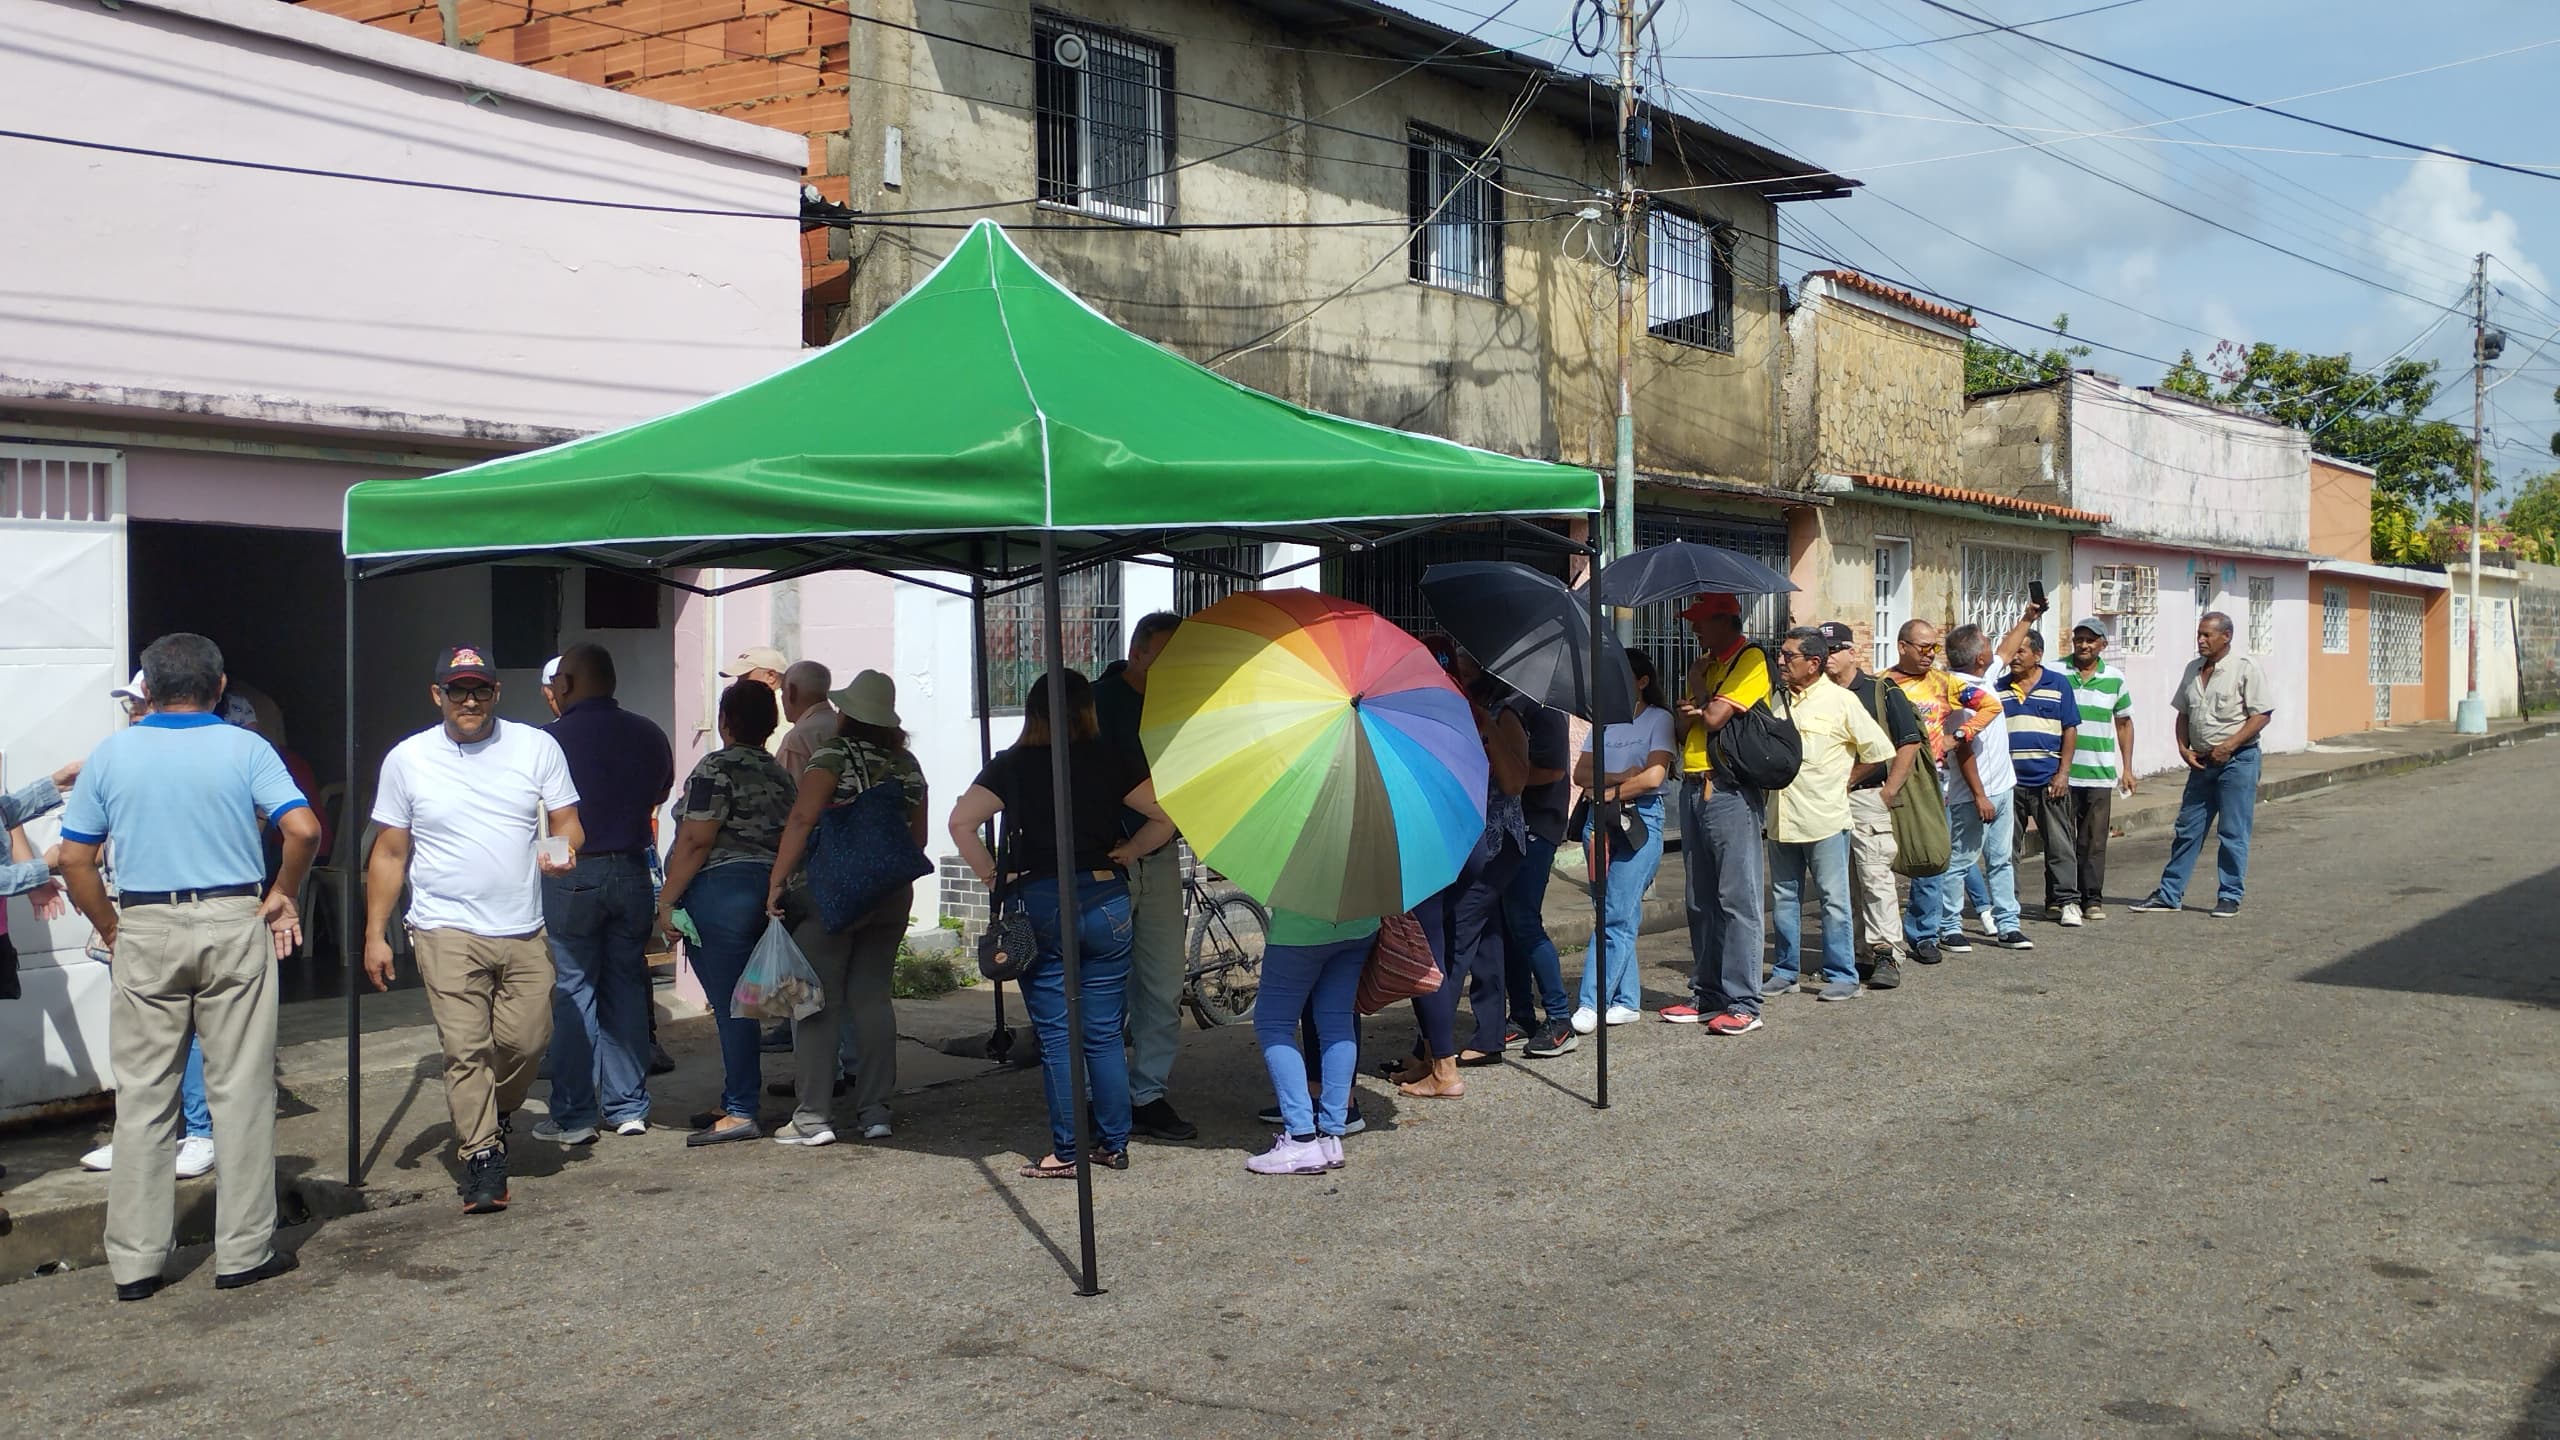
(778, 983)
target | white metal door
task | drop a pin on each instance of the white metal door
(62, 587)
(1893, 598)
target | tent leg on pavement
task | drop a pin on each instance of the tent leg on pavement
(1604, 816)
(1070, 910)
(351, 925)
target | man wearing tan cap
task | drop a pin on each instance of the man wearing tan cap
(764, 665)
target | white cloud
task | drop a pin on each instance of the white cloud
(2430, 226)
(2225, 322)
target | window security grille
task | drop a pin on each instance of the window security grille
(1017, 633)
(1996, 580)
(1688, 281)
(1105, 123)
(2333, 620)
(1456, 213)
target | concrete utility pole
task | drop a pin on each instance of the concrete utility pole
(2471, 717)
(1622, 498)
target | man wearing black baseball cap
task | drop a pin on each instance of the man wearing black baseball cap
(1871, 847)
(462, 806)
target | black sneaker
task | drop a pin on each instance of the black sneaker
(1926, 952)
(660, 1062)
(1956, 942)
(1556, 1038)
(484, 1182)
(2014, 940)
(1513, 1034)
(776, 1041)
(2225, 909)
(2153, 904)
(1156, 1121)
(1886, 975)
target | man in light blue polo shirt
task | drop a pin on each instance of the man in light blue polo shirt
(184, 796)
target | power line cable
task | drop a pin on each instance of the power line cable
(2213, 94)
(1907, 44)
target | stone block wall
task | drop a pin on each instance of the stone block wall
(2538, 635)
(1887, 399)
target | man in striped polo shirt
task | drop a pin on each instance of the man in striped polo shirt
(2044, 723)
(2102, 764)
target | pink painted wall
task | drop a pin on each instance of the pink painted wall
(211, 488)
(298, 294)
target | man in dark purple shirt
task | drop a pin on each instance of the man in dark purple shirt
(598, 913)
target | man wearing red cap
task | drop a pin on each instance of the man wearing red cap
(462, 806)
(1720, 827)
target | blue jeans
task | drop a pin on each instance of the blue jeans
(1470, 947)
(1532, 970)
(1622, 910)
(1103, 932)
(727, 906)
(1317, 981)
(1924, 909)
(191, 1101)
(1727, 867)
(1995, 843)
(2228, 794)
(1827, 861)
(598, 916)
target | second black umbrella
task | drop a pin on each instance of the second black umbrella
(1526, 628)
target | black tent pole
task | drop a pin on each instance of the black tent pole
(1604, 815)
(999, 1041)
(1070, 909)
(349, 853)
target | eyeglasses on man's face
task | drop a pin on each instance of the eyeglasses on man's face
(470, 694)
(1924, 647)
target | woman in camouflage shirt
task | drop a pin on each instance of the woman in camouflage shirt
(735, 803)
(856, 964)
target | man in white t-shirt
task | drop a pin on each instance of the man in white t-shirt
(1983, 827)
(462, 806)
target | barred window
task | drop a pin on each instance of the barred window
(1017, 634)
(1660, 631)
(1996, 580)
(2262, 614)
(1456, 212)
(1205, 575)
(2204, 592)
(1688, 290)
(2333, 620)
(2393, 654)
(1105, 122)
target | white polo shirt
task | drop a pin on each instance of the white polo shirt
(473, 813)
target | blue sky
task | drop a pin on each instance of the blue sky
(2168, 282)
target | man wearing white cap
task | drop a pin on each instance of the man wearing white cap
(764, 665)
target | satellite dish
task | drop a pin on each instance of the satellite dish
(1068, 50)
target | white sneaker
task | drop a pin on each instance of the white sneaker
(552, 1130)
(632, 1127)
(877, 1130)
(792, 1134)
(2071, 917)
(1621, 1015)
(1585, 1020)
(195, 1156)
(102, 1159)
(1990, 926)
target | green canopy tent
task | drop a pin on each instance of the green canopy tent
(989, 425)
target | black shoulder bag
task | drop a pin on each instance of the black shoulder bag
(1008, 945)
(1760, 746)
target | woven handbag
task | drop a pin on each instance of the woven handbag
(1400, 965)
(864, 850)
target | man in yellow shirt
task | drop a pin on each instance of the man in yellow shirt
(1809, 820)
(1720, 823)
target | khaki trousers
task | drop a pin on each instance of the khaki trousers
(491, 996)
(857, 967)
(210, 965)
(1871, 878)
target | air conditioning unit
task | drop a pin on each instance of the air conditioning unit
(2115, 595)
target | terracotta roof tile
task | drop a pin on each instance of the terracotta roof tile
(1903, 298)
(1926, 490)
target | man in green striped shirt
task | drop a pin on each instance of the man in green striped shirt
(2102, 763)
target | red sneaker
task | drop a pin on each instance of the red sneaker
(1683, 1014)
(1733, 1022)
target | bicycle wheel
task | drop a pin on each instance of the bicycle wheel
(1224, 962)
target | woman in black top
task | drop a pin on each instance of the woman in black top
(1018, 785)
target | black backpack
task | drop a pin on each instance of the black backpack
(1760, 746)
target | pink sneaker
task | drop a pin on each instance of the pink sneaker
(1332, 1147)
(1734, 1022)
(1682, 1014)
(1288, 1157)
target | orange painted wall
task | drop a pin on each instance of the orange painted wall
(2341, 693)
(2341, 512)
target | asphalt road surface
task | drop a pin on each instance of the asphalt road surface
(2292, 1174)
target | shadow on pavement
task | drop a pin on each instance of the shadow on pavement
(2541, 1418)
(2494, 948)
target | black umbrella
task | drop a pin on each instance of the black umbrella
(1685, 567)
(1527, 629)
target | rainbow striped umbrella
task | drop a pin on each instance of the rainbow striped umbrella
(1314, 754)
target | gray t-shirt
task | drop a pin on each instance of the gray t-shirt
(2217, 705)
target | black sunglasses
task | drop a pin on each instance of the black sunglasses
(470, 694)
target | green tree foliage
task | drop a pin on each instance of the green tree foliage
(1988, 367)
(2398, 537)
(2375, 420)
(2534, 518)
